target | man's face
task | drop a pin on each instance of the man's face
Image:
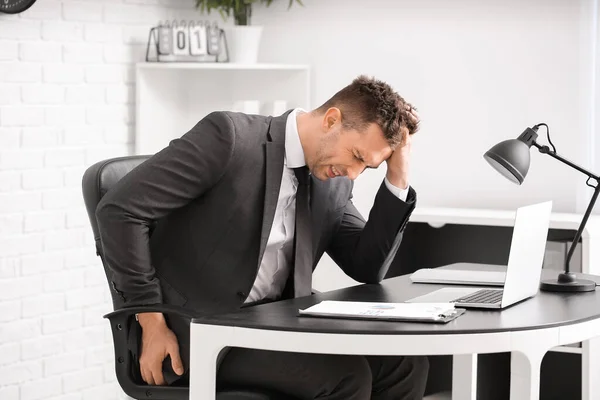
(342, 152)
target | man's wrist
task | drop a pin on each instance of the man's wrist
(402, 194)
(398, 180)
(150, 319)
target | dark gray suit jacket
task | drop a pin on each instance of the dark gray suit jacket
(189, 226)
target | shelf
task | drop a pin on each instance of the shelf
(171, 97)
(221, 66)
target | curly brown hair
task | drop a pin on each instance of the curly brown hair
(369, 100)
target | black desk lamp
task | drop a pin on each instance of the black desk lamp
(511, 158)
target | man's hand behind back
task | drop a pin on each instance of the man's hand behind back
(158, 342)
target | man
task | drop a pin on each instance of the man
(227, 217)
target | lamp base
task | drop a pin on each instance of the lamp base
(567, 282)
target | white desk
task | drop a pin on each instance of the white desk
(464, 368)
(528, 330)
(590, 264)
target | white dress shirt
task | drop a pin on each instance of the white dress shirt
(277, 260)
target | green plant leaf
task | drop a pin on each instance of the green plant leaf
(227, 7)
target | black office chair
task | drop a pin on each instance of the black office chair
(97, 180)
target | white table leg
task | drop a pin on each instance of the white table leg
(464, 377)
(206, 342)
(525, 368)
(590, 369)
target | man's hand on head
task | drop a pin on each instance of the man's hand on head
(413, 114)
(398, 164)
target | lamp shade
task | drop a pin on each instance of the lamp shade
(510, 158)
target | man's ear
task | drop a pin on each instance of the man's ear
(332, 116)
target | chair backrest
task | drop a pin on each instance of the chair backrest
(97, 180)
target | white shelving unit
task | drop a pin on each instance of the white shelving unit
(172, 97)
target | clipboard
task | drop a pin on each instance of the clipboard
(395, 312)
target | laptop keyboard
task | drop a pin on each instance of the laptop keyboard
(485, 296)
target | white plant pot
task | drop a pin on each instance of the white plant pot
(243, 43)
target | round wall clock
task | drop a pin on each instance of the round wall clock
(15, 6)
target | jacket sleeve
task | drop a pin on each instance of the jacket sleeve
(170, 179)
(364, 250)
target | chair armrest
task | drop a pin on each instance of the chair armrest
(163, 308)
(121, 323)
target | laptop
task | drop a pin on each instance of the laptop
(461, 273)
(523, 271)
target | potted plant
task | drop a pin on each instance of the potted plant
(243, 39)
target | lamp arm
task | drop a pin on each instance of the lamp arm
(588, 211)
(546, 150)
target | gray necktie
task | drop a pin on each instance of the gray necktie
(303, 239)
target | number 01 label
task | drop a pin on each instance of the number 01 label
(181, 43)
(198, 39)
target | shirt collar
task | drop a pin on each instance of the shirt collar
(294, 154)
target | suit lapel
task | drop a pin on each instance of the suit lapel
(274, 154)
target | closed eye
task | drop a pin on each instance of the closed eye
(360, 159)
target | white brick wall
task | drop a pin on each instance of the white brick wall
(66, 101)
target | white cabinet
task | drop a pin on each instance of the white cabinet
(172, 97)
(569, 223)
